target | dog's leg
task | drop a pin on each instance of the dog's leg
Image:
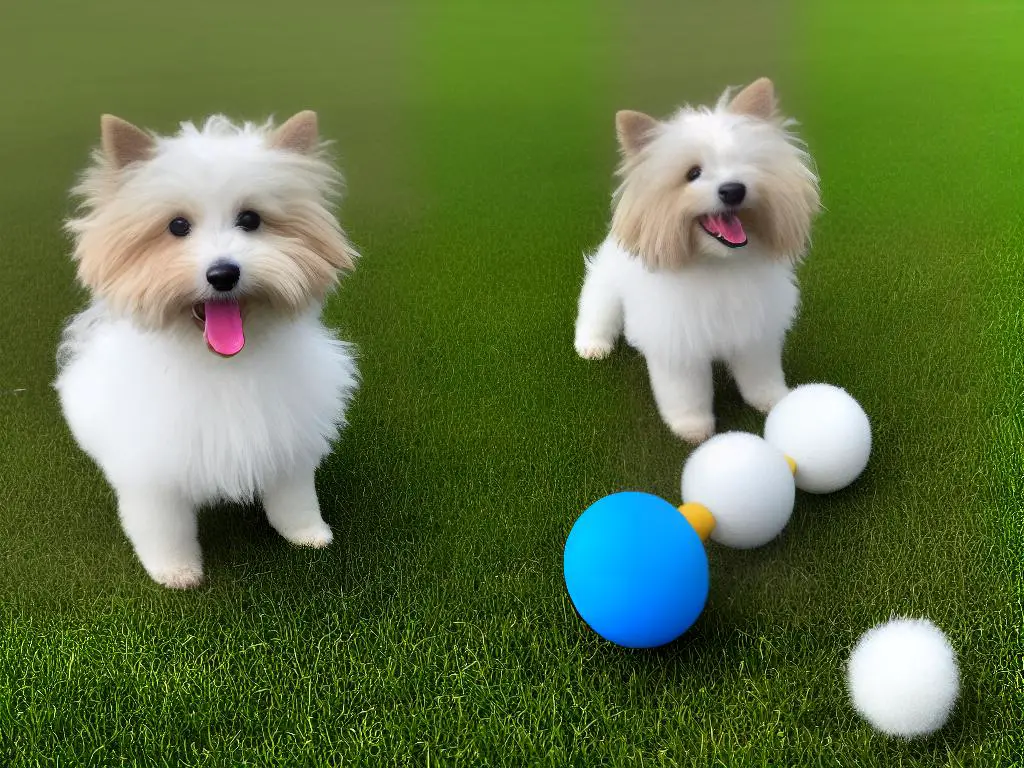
(599, 321)
(759, 375)
(684, 394)
(294, 511)
(162, 527)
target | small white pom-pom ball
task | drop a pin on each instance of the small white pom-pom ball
(827, 434)
(745, 483)
(903, 677)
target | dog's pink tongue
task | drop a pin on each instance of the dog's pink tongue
(731, 229)
(224, 327)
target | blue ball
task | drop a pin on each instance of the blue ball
(636, 570)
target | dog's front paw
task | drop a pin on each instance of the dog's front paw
(179, 576)
(765, 399)
(694, 429)
(316, 536)
(594, 349)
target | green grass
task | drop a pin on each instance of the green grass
(478, 143)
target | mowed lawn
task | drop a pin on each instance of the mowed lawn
(478, 142)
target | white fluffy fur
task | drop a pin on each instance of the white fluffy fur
(903, 677)
(174, 426)
(737, 310)
(716, 304)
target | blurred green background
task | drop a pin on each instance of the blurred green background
(478, 143)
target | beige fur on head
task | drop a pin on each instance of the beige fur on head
(128, 195)
(136, 267)
(656, 208)
(650, 215)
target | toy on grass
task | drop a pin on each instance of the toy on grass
(817, 439)
(825, 432)
(742, 487)
(903, 677)
(635, 568)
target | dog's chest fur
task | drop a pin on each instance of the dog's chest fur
(705, 311)
(160, 408)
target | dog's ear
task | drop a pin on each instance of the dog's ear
(756, 100)
(123, 143)
(299, 133)
(634, 130)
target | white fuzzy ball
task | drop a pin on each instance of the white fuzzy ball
(745, 483)
(825, 431)
(903, 677)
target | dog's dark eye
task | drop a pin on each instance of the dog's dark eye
(179, 226)
(248, 220)
(693, 174)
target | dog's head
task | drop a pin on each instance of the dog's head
(708, 181)
(216, 221)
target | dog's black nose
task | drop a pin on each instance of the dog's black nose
(732, 193)
(223, 276)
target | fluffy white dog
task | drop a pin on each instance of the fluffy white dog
(201, 371)
(713, 212)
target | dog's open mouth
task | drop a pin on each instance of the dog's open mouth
(221, 323)
(726, 228)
